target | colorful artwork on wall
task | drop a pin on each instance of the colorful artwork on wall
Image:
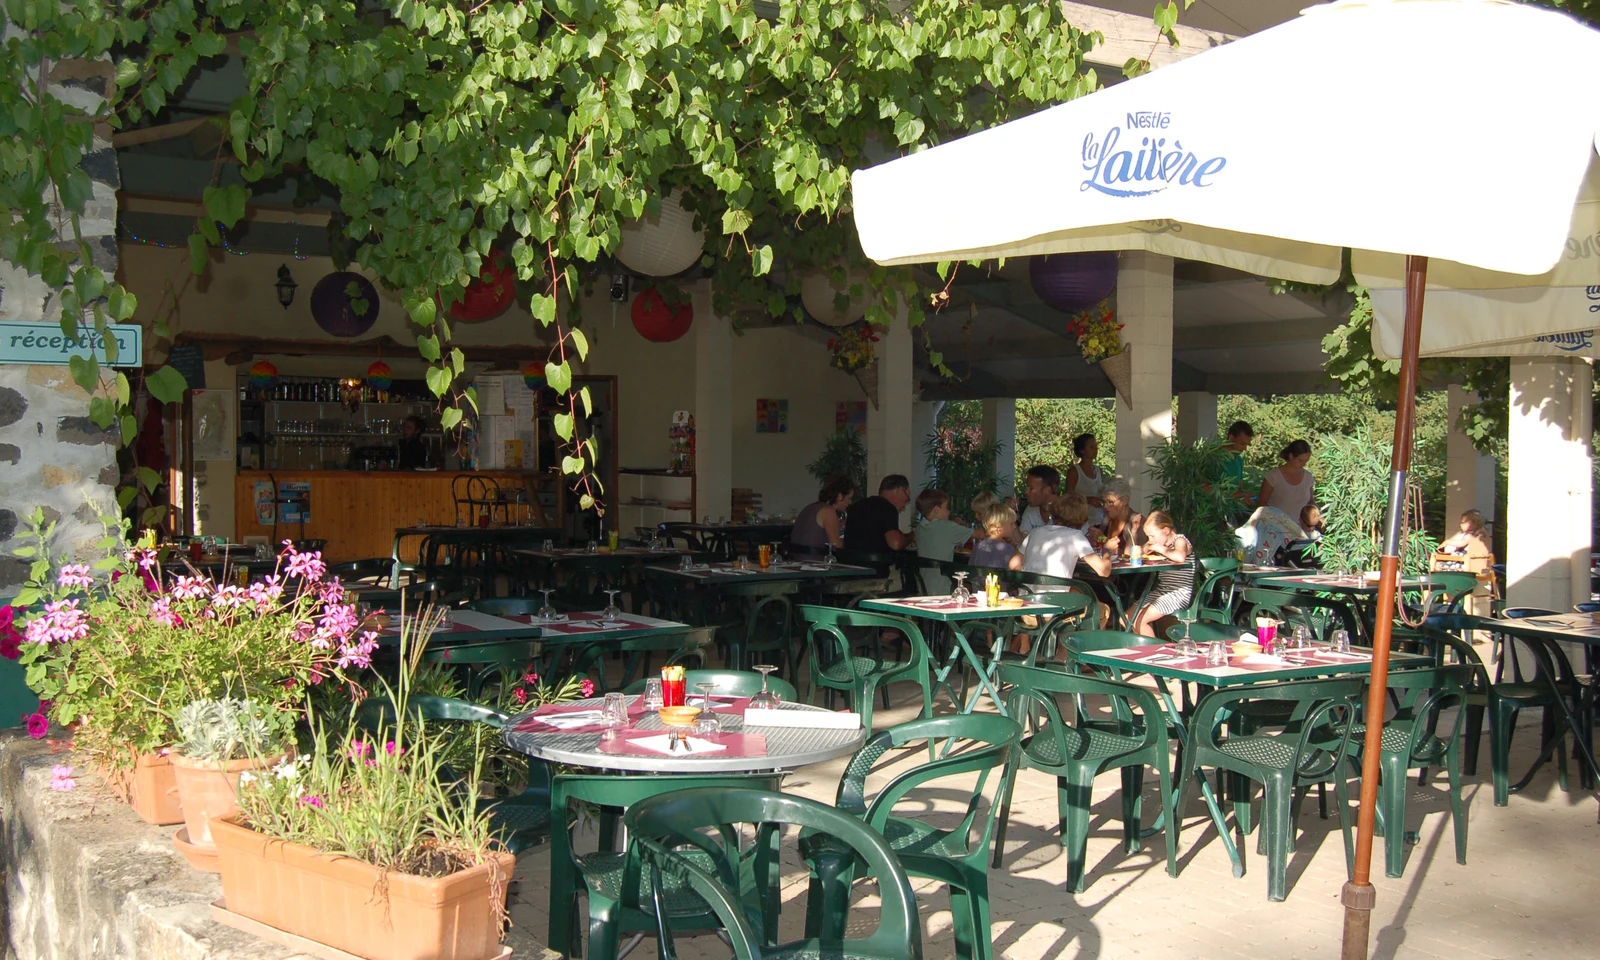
(851, 415)
(772, 416)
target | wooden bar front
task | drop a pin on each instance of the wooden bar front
(357, 512)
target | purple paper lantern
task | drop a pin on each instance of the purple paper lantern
(1074, 281)
(341, 311)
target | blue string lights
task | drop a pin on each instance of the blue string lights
(130, 237)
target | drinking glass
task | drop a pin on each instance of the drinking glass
(828, 560)
(1302, 637)
(652, 693)
(446, 618)
(766, 699)
(1339, 641)
(1187, 645)
(686, 562)
(615, 710)
(1217, 654)
(706, 724)
(592, 547)
(548, 612)
(549, 546)
(961, 594)
(612, 611)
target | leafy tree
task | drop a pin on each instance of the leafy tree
(1353, 490)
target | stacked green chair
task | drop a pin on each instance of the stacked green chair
(1412, 740)
(374, 571)
(707, 821)
(616, 908)
(518, 822)
(836, 667)
(764, 633)
(1312, 748)
(1215, 590)
(727, 683)
(984, 744)
(1076, 752)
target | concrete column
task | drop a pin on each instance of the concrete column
(891, 431)
(1469, 475)
(1144, 307)
(1000, 424)
(713, 408)
(1549, 480)
(1197, 417)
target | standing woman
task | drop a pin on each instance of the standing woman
(1085, 478)
(1291, 486)
(817, 525)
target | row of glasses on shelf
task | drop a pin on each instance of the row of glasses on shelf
(380, 426)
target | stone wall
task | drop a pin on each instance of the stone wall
(51, 455)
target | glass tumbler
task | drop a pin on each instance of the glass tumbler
(653, 699)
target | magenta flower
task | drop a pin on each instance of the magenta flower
(358, 652)
(586, 687)
(530, 677)
(190, 588)
(10, 648)
(393, 749)
(305, 566)
(161, 612)
(333, 591)
(229, 597)
(61, 622)
(143, 557)
(359, 749)
(265, 592)
(311, 800)
(61, 779)
(75, 575)
(38, 724)
(520, 695)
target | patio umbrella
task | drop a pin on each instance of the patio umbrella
(1383, 127)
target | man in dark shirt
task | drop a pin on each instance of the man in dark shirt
(873, 525)
(412, 449)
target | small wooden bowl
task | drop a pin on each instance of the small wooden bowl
(1245, 648)
(678, 716)
(1012, 602)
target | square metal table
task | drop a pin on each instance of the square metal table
(466, 626)
(962, 618)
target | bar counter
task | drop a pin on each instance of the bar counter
(357, 511)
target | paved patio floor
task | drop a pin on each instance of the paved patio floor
(1530, 887)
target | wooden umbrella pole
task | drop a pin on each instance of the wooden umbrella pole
(1358, 896)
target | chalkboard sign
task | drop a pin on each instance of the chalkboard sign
(190, 361)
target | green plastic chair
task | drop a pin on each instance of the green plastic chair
(728, 683)
(1215, 587)
(1076, 753)
(1412, 740)
(681, 647)
(975, 743)
(507, 606)
(1313, 748)
(670, 872)
(840, 669)
(707, 821)
(1077, 611)
(599, 875)
(483, 660)
(767, 626)
(518, 822)
(374, 570)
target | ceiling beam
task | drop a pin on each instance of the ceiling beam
(1262, 333)
(259, 212)
(1129, 36)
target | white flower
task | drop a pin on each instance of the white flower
(247, 777)
(286, 770)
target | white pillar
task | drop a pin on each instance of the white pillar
(1144, 307)
(1197, 417)
(891, 433)
(1469, 475)
(1000, 425)
(924, 424)
(1548, 480)
(713, 408)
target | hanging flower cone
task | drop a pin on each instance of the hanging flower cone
(867, 376)
(1119, 370)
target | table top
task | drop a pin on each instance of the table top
(1572, 627)
(1333, 583)
(1124, 566)
(466, 626)
(590, 626)
(1166, 660)
(1263, 570)
(580, 553)
(492, 532)
(787, 747)
(947, 610)
(721, 573)
(727, 528)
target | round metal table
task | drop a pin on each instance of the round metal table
(787, 747)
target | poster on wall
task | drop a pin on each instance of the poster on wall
(266, 507)
(772, 416)
(295, 498)
(214, 435)
(680, 443)
(851, 415)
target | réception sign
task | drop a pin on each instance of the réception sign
(44, 343)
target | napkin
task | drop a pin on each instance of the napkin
(662, 744)
(821, 719)
(1262, 660)
(567, 721)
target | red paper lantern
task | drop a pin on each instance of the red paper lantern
(489, 295)
(658, 322)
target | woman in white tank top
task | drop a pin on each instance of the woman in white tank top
(1291, 486)
(1085, 478)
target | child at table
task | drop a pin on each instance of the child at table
(1000, 529)
(1174, 589)
(1468, 539)
(937, 538)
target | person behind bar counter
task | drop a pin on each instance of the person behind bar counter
(412, 449)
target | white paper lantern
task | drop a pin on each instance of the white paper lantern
(817, 292)
(663, 245)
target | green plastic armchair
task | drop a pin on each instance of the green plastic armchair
(728, 683)
(766, 627)
(834, 665)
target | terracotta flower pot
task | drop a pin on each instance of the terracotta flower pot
(340, 902)
(150, 789)
(208, 788)
(1119, 370)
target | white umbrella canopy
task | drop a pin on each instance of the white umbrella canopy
(1234, 156)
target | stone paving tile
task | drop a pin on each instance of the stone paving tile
(1529, 888)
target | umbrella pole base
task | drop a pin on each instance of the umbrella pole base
(1358, 902)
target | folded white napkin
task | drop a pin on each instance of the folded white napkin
(663, 745)
(578, 718)
(1261, 659)
(818, 719)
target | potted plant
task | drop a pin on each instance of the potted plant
(116, 650)
(852, 352)
(217, 741)
(1100, 341)
(366, 845)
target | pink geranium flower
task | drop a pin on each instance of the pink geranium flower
(586, 687)
(75, 575)
(61, 779)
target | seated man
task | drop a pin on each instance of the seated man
(872, 525)
(1057, 551)
(1043, 484)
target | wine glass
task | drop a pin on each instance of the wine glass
(706, 723)
(961, 594)
(766, 699)
(612, 611)
(1187, 645)
(548, 612)
(829, 559)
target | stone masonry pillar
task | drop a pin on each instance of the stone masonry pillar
(1548, 527)
(1144, 307)
(52, 456)
(1197, 417)
(713, 409)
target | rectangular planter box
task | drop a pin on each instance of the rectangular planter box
(339, 901)
(151, 789)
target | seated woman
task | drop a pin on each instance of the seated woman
(1000, 529)
(817, 526)
(1058, 550)
(1122, 528)
(1174, 589)
(1469, 538)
